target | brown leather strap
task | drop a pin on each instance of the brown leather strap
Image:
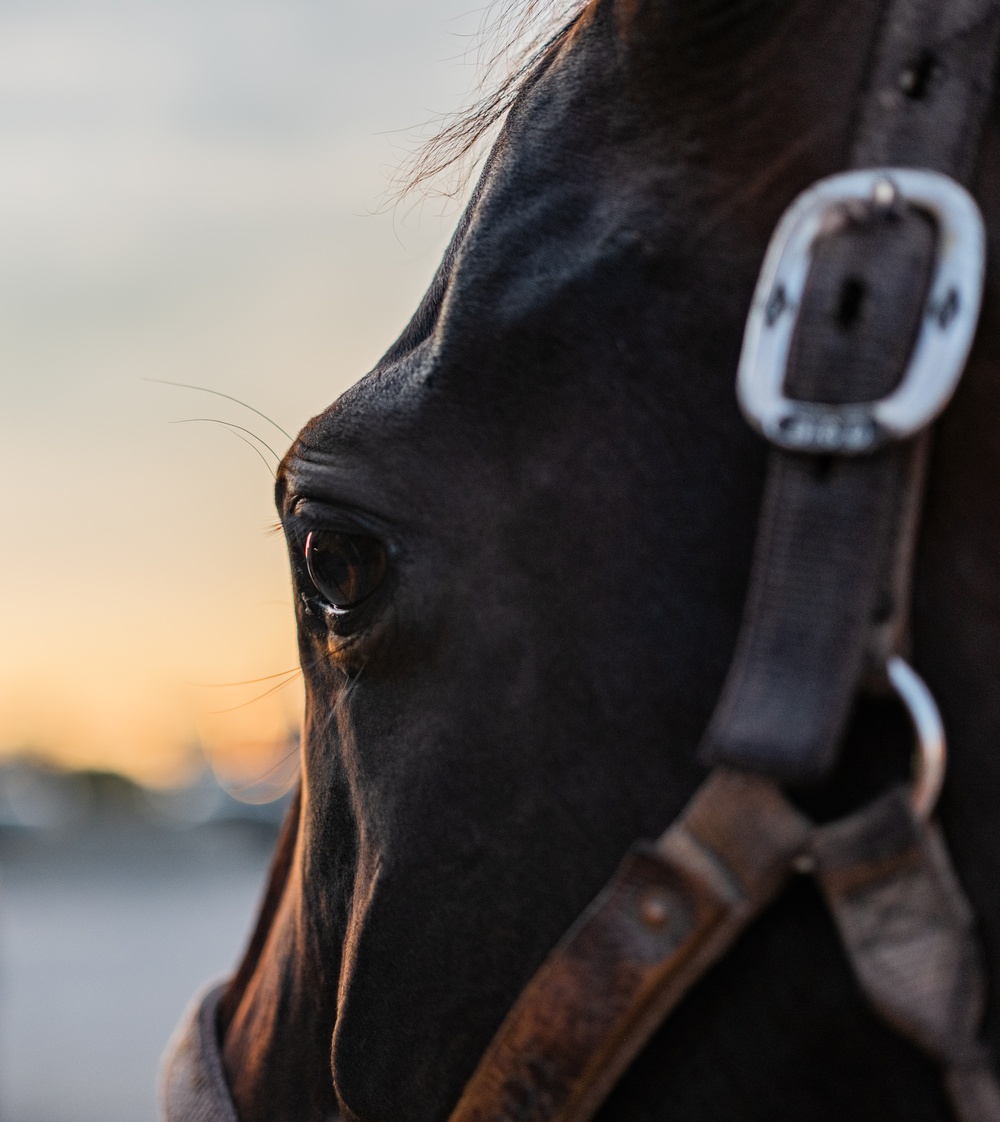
(672, 909)
(828, 593)
(675, 907)
(909, 934)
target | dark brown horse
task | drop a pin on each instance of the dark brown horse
(529, 532)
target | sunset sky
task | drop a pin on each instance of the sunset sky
(191, 192)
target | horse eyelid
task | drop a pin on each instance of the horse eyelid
(306, 515)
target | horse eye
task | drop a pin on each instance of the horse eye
(345, 568)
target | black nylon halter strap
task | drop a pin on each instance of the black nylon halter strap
(829, 588)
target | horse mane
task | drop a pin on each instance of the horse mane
(515, 42)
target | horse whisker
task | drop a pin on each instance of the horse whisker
(254, 700)
(274, 767)
(257, 452)
(219, 393)
(230, 425)
(248, 682)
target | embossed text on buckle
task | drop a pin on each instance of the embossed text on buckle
(943, 341)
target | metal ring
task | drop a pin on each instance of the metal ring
(931, 755)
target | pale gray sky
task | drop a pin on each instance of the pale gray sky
(189, 191)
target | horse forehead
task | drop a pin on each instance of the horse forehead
(487, 379)
(544, 259)
(418, 453)
(572, 190)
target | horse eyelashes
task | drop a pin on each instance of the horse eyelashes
(344, 568)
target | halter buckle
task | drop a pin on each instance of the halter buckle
(939, 355)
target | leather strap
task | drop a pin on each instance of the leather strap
(828, 593)
(910, 936)
(672, 909)
(675, 907)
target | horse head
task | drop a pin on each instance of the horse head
(520, 548)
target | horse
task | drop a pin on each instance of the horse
(520, 549)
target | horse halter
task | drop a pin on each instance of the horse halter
(846, 401)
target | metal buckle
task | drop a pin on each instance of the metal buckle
(943, 342)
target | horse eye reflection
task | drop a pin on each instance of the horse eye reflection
(345, 568)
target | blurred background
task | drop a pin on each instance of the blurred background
(192, 191)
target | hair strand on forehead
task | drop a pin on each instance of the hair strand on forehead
(514, 41)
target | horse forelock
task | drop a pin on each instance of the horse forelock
(518, 39)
